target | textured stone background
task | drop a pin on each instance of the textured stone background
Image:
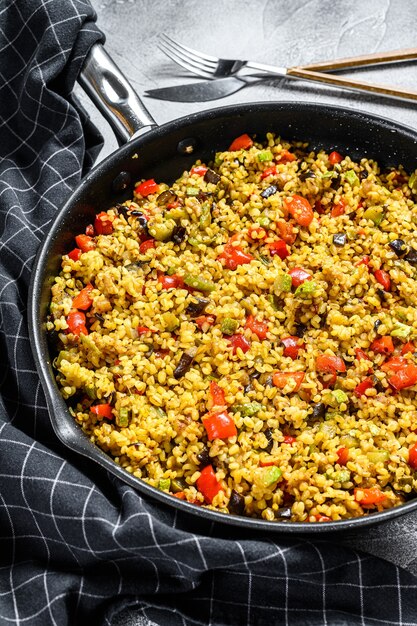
(285, 33)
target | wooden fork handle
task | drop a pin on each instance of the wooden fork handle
(348, 83)
(368, 59)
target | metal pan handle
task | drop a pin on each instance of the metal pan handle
(113, 95)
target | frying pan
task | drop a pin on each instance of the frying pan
(164, 152)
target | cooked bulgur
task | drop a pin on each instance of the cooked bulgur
(243, 338)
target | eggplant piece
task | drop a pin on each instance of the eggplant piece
(99, 317)
(319, 412)
(212, 177)
(305, 174)
(203, 457)
(340, 239)
(268, 434)
(377, 324)
(399, 247)
(236, 503)
(411, 257)
(184, 364)
(283, 514)
(166, 197)
(269, 191)
(197, 306)
(178, 234)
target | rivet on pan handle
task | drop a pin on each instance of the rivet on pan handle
(113, 95)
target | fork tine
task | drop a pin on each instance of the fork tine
(191, 51)
(185, 63)
(205, 65)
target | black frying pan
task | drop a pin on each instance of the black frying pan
(163, 153)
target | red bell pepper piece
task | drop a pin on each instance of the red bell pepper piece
(323, 518)
(85, 243)
(256, 232)
(269, 171)
(383, 345)
(342, 455)
(147, 187)
(335, 157)
(362, 387)
(219, 425)
(146, 245)
(208, 484)
(171, 282)
(299, 276)
(144, 329)
(234, 256)
(412, 456)
(239, 341)
(75, 254)
(258, 327)
(364, 261)
(338, 209)
(286, 232)
(76, 323)
(243, 142)
(327, 363)
(408, 347)
(403, 378)
(103, 410)
(280, 248)
(89, 230)
(83, 301)
(199, 170)
(289, 439)
(300, 209)
(180, 495)
(361, 355)
(216, 396)
(103, 224)
(383, 278)
(369, 497)
(280, 379)
(292, 346)
(286, 157)
(394, 364)
(204, 320)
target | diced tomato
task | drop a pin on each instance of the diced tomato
(243, 142)
(286, 157)
(268, 462)
(174, 205)
(342, 455)
(383, 345)
(322, 518)
(204, 320)
(147, 187)
(383, 278)
(85, 243)
(289, 439)
(403, 378)
(171, 282)
(199, 170)
(280, 379)
(412, 456)
(286, 232)
(89, 230)
(292, 346)
(327, 363)
(144, 329)
(180, 495)
(363, 386)
(335, 157)
(319, 207)
(239, 341)
(256, 232)
(75, 254)
(219, 425)
(208, 484)
(103, 224)
(103, 410)
(258, 327)
(146, 245)
(83, 301)
(216, 396)
(300, 209)
(408, 347)
(299, 276)
(364, 261)
(76, 321)
(361, 355)
(394, 364)
(338, 209)
(234, 256)
(369, 497)
(279, 248)
(269, 171)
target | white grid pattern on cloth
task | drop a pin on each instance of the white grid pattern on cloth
(75, 543)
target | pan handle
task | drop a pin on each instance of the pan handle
(113, 95)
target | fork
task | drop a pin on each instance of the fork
(211, 67)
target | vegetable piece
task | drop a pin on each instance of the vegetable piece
(198, 283)
(269, 171)
(167, 197)
(319, 412)
(342, 455)
(282, 283)
(339, 396)
(146, 245)
(234, 256)
(243, 142)
(408, 347)
(412, 182)
(146, 188)
(256, 232)
(178, 234)
(361, 355)
(216, 396)
(75, 254)
(89, 230)
(258, 327)
(122, 418)
(339, 476)
(412, 456)
(286, 157)
(401, 330)
(375, 214)
(360, 389)
(144, 329)
(399, 247)
(403, 378)
(352, 179)
(170, 321)
(198, 170)
(197, 306)
(192, 191)
(339, 239)
(236, 504)
(229, 326)
(383, 279)
(219, 425)
(103, 410)
(299, 276)
(267, 476)
(269, 191)
(164, 484)
(85, 243)
(300, 209)
(369, 497)
(212, 177)
(247, 410)
(239, 341)
(76, 321)
(383, 345)
(203, 457)
(171, 282)
(103, 224)
(378, 456)
(265, 155)
(335, 157)
(204, 321)
(83, 301)
(185, 362)
(208, 484)
(364, 261)
(338, 209)
(395, 364)
(281, 379)
(411, 257)
(286, 231)
(289, 439)
(327, 363)
(161, 231)
(306, 289)
(279, 248)
(292, 346)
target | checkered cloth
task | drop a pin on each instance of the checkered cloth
(76, 544)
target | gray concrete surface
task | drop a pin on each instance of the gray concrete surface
(285, 33)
